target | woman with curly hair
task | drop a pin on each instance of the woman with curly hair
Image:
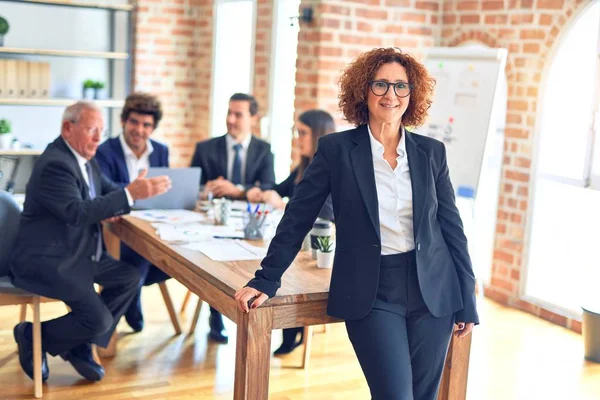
(402, 278)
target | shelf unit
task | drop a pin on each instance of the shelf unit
(77, 4)
(119, 21)
(23, 152)
(54, 102)
(65, 53)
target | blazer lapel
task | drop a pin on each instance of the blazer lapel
(60, 143)
(362, 164)
(221, 156)
(154, 157)
(419, 178)
(251, 154)
(120, 158)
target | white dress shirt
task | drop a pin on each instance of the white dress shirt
(394, 194)
(231, 155)
(81, 161)
(135, 164)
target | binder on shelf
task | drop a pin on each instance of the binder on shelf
(3, 78)
(22, 78)
(34, 79)
(44, 79)
(10, 77)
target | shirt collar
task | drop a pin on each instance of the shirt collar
(129, 153)
(377, 147)
(231, 141)
(81, 160)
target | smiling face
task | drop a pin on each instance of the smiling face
(137, 129)
(388, 108)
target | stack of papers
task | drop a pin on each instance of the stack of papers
(195, 232)
(169, 216)
(228, 250)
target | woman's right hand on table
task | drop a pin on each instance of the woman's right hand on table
(246, 294)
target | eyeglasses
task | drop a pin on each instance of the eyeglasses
(380, 88)
(92, 131)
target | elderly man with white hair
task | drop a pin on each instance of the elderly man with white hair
(59, 251)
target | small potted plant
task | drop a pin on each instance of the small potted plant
(5, 134)
(88, 89)
(4, 26)
(98, 86)
(325, 252)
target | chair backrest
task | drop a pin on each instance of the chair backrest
(9, 225)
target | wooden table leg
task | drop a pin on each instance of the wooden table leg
(307, 342)
(456, 369)
(253, 354)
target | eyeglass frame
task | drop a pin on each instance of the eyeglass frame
(104, 133)
(410, 87)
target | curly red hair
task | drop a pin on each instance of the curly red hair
(354, 86)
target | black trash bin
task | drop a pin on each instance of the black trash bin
(591, 333)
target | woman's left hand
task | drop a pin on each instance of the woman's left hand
(462, 329)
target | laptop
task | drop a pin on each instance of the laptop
(185, 186)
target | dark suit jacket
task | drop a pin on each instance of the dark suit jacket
(60, 224)
(287, 187)
(111, 159)
(343, 167)
(211, 156)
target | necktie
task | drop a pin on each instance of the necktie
(91, 185)
(92, 191)
(236, 172)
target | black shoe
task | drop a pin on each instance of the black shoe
(81, 359)
(217, 330)
(26, 352)
(286, 348)
(134, 317)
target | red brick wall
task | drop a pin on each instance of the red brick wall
(528, 29)
(172, 59)
(262, 55)
(344, 29)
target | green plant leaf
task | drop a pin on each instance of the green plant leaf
(5, 126)
(4, 26)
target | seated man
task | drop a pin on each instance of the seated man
(232, 164)
(121, 159)
(58, 251)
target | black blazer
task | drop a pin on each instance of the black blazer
(287, 187)
(111, 159)
(59, 225)
(343, 167)
(211, 156)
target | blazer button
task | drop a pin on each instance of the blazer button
(93, 258)
(418, 246)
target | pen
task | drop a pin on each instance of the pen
(227, 237)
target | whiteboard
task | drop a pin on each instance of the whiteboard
(462, 113)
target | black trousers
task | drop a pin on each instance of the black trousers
(94, 317)
(400, 346)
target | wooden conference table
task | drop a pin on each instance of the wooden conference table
(301, 301)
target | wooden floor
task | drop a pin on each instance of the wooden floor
(515, 356)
